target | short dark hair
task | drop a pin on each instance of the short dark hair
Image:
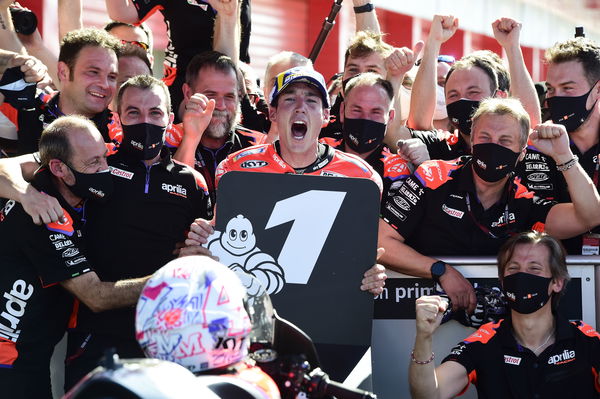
(209, 59)
(369, 79)
(54, 142)
(557, 260)
(501, 71)
(131, 50)
(578, 49)
(483, 63)
(115, 24)
(143, 82)
(76, 40)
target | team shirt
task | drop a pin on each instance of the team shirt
(35, 309)
(32, 121)
(540, 175)
(501, 368)
(266, 158)
(437, 212)
(135, 232)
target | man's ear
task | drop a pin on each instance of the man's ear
(392, 115)
(187, 91)
(522, 155)
(272, 113)
(63, 71)
(557, 285)
(58, 168)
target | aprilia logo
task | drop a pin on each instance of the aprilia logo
(15, 308)
(565, 357)
(175, 190)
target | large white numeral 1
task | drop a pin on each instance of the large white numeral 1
(313, 213)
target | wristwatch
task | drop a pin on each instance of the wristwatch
(437, 270)
(366, 8)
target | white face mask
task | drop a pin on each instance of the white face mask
(440, 104)
(404, 102)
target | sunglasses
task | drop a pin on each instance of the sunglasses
(142, 45)
(448, 59)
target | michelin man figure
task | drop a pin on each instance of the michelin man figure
(236, 248)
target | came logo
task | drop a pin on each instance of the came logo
(252, 164)
(562, 358)
(512, 360)
(175, 190)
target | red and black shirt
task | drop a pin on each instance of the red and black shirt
(34, 308)
(501, 368)
(266, 158)
(437, 212)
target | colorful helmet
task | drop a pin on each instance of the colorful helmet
(192, 312)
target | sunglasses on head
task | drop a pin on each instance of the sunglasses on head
(142, 45)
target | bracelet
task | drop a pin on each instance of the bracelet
(412, 358)
(567, 165)
(366, 8)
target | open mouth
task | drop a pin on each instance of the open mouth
(298, 130)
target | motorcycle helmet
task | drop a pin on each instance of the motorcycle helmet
(192, 312)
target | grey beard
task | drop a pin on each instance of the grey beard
(220, 129)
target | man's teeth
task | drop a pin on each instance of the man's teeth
(93, 93)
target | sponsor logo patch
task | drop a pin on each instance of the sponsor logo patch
(121, 173)
(566, 356)
(76, 261)
(401, 202)
(537, 177)
(70, 252)
(512, 360)
(398, 214)
(252, 164)
(452, 212)
(178, 190)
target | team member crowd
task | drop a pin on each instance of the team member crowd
(110, 173)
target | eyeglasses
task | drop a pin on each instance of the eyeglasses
(142, 45)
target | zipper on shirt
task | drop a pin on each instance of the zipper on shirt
(147, 178)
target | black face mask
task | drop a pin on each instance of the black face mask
(526, 293)
(95, 186)
(459, 114)
(363, 135)
(492, 161)
(142, 141)
(569, 111)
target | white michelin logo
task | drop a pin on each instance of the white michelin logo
(236, 248)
